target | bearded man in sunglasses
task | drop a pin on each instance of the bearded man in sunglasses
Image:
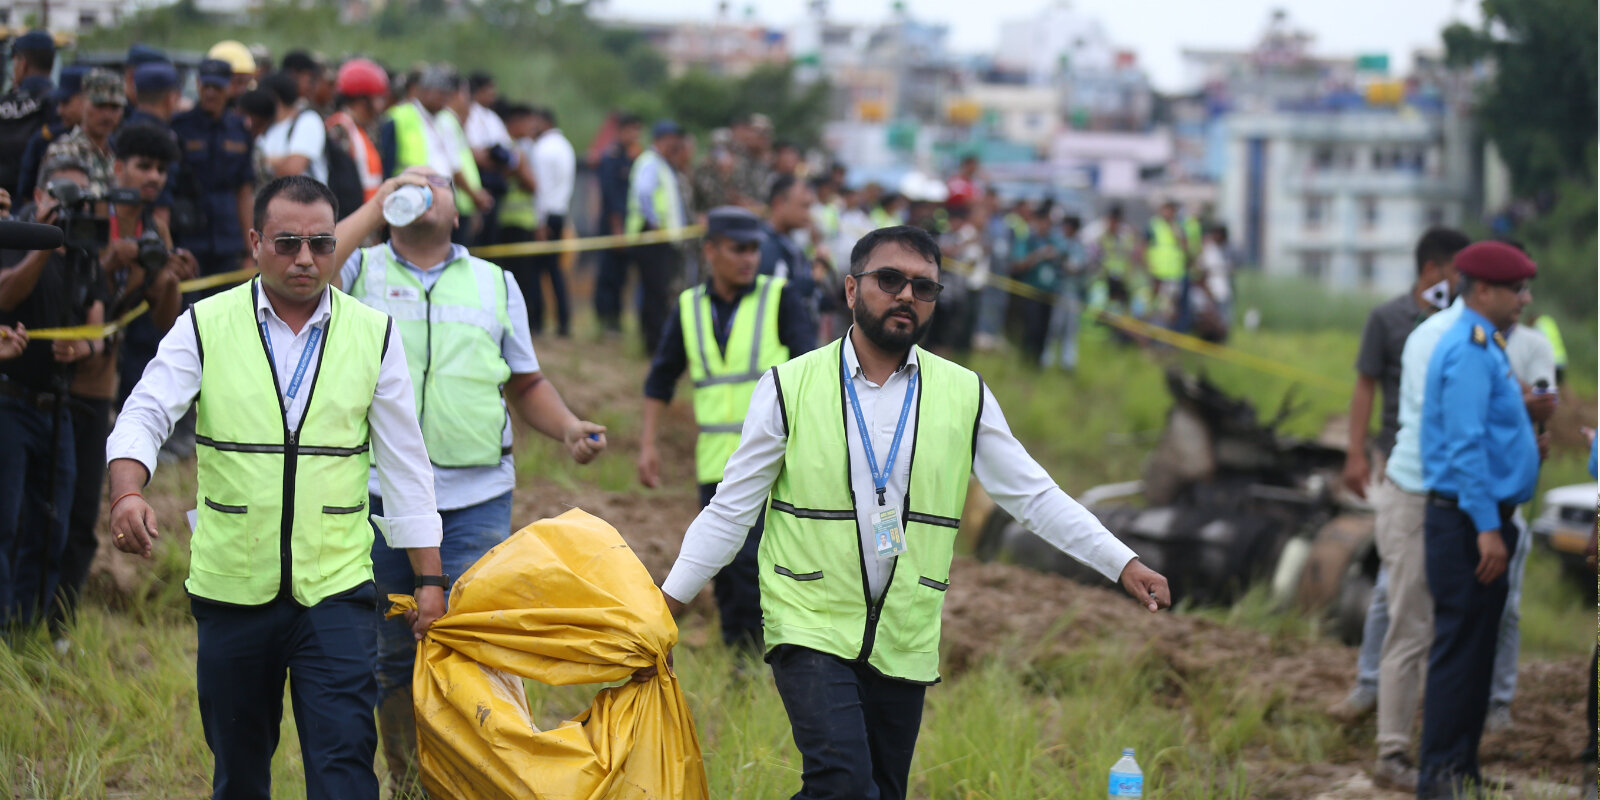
(297, 388)
(860, 453)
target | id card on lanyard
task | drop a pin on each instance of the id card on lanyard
(305, 357)
(888, 538)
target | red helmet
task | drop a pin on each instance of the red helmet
(362, 78)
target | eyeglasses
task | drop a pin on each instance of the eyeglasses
(891, 282)
(440, 180)
(1515, 288)
(322, 244)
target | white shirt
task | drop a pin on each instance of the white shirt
(1011, 476)
(484, 128)
(299, 135)
(172, 380)
(1214, 260)
(1531, 356)
(554, 165)
(448, 127)
(462, 487)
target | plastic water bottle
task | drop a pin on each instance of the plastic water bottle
(406, 204)
(1127, 780)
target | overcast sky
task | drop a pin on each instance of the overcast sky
(1156, 29)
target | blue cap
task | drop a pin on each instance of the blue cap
(34, 41)
(734, 222)
(215, 72)
(155, 76)
(71, 82)
(144, 54)
(666, 127)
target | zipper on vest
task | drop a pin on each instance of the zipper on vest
(427, 353)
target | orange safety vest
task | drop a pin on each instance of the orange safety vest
(362, 151)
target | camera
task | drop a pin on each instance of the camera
(152, 251)
(75, 216)
(500, 156)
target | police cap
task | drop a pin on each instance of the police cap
(155, 76)
(143, 54)
(71, 82)
(215, 72)
(34, 42)
(733, 222)
(1495, 262)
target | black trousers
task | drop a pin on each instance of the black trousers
(737, 587)
(855, 729)
(1466, 627)
(609, 281)
(530, 272)
(1035, 328)
(658, 263)
(91, 423)
(328, 652)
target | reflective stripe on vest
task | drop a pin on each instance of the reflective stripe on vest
(725, 378)
(813, 590)
(1164, 256)
(278, 510)
(665, 199)
(452, 336)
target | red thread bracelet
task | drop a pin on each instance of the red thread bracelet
(120, 498)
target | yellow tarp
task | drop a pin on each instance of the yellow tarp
(563, 601)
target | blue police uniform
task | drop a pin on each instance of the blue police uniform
(1480, 459)
(216, 162)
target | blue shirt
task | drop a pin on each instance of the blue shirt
(1477, 441)
(216, 162)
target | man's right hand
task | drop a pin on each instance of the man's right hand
(649, 464)
(133, 526)
(1491, 557)
(1357, 473)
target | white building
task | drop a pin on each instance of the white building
(1341, 197)
(61, 16)
(1052, 43)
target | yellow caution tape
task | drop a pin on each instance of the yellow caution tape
(109, 328)
(590, 243)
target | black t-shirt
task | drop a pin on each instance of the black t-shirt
(61, 298)
(1382, 341)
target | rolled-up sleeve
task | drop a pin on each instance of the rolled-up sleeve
(164, 393)
(405, 477)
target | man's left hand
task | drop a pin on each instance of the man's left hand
(430, 606)
(1146, 585)
(584, 440)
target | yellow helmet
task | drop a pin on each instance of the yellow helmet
(236, 54)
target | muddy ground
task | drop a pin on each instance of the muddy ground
(996, 605)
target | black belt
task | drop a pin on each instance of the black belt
(42, 401)
(1447, 501)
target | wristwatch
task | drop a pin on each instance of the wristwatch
(441, 581)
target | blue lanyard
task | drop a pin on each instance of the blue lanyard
(880, 478)
(305, 357)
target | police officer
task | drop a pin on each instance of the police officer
(217, 176)
(727, 332)
(69, 114)
(1480, 459)
(28, 105)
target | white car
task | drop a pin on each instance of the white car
(1565, 525)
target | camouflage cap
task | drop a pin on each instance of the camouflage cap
(102, 86)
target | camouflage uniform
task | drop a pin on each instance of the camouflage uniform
(751, 176)
(100, 87)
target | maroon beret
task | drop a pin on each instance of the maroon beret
(1496, 262)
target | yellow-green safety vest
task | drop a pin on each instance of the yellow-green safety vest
(724, 379)
(281, 513)
(516, 208)
(410, 142)
(1113, 254)
(1547, 326)
(469, 166)
(452, 336)
(1193, 237)
(882, 218)
(1164, 256)
(666, 201)
(813, 589)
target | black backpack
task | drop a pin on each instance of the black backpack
(344, 178)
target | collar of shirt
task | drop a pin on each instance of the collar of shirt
(853, 364)
(457, 252)
(265, 311)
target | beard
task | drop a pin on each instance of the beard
(876, 329)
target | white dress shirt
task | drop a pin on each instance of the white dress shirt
(172, 380)
(554, 165)
(462, 487)
(484, 128)
(1011, 476)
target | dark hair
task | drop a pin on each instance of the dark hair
(780, 187)
(545, 113)
(258, 103)
(969, 158)
(1115, 211)
(282, 87)
(478, 80)
(626, 118)
(914, 239)
(1439, 245)
(1220, 231)
(145, 141)
(511, 111)
(58, 165)
(785, 144)
(1074, 220)
(37, 58)
(299, 61)
(296, 189)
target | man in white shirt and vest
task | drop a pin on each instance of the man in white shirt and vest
(656, 203)
(465, 333)
(860, 453)
(727, 332)
(297, 389)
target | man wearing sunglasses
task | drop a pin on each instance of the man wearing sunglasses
(860, 453)
(464, 328)
(1480, 460)
(297, 390)
(727, 332)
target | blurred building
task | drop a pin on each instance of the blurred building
(61, 16)
(723, 46)
(897, 70)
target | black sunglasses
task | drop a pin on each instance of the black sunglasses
(891, 282)
(322, 244)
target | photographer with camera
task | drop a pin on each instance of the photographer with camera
(43, 289)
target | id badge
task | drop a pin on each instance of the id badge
(887, 535)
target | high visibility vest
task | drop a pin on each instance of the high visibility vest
(452, 338)
(1193, 237)
(469, 165)
(813, 590)
(1547, 326)
(1113, 254)
(281, 513)
(516, 208)
(724, 379)
(882, 218)
(362, 151)
(665, 200)
(1164, 256)
(410, 140)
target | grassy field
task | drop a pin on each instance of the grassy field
(116, 716)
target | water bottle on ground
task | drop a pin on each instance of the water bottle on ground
(406, 204)
(1126, 778)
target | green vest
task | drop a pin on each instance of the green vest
(280, 512)
(1164, 256)
(410, 142)
(452, 338)
(1113, 255)
(881, 218)
(1547, 326)
(516, 208)
(725, 379)
(665, 200)
(469, 166)
(1193, 237)
(813, 589)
